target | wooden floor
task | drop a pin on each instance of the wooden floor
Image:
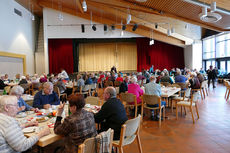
(209, 134)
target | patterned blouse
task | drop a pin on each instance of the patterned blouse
(76, 128)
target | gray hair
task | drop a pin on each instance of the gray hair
(17, 90)
(133, 80)
(111, 91)
(47, 84)
(5, 100)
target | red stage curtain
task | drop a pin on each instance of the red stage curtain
(60, 55)
(161, 55)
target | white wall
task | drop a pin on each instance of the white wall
(188, 56)
(17, 34)
(50, 18)
(193, 55)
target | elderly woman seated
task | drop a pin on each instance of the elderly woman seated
(12, 139)
(77, 127)
(22, 105)
(135, 89)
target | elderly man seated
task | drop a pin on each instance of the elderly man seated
(12, 139)
(46, 97)
(112, 113)
(22, 105)
(152, 88)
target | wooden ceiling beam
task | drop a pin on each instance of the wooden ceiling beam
(79, 5)
(123, 15)
(143, 31)
(126, 5)
(121, 3)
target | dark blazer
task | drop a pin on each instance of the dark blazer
(112, 115)
(2, 84)
(123, 87)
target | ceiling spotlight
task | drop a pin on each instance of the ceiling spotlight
(82, 28)
(84, 6)
(135, 27)
(94, 27)
(213, 6)
(113, 27)
(123, 27)
(105, 27)
(129, 18)
(156, 26)
(169, 32)
(151, 42)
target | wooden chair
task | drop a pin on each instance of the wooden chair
(128, 98)
(185, 97)
(117, 83)
(190, 104)
(56, 89)
(129, 132)
(84, 90)
(94, 89)
(152, 100)
(90, 145)
(165, 84)
(93, 100)
(201, 90)
(108, 83)
(206, 86)
(226, 83)
(26, 87)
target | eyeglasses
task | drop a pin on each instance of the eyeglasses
(15, 105)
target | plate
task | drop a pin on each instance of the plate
(41, 119)
(29, 129)
(21, 115)
(30, 112)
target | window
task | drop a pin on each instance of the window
(209, 48)
(222, 66)
(228, 66)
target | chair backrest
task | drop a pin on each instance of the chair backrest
(93, 86)
(187, 92)
(92, 100)
(56, 89)
(130, 129)
(132, 126)
(117, 83)
(128, 97)
(97, 144)
(165, 83)
(25, 86)
(86, 87)
(151, 99)
(175, 85)
(182, 85)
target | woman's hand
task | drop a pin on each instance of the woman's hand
(22, 108)
(60, 108)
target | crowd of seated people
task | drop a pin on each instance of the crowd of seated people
(111, 115)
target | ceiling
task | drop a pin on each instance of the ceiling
(167, 14)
